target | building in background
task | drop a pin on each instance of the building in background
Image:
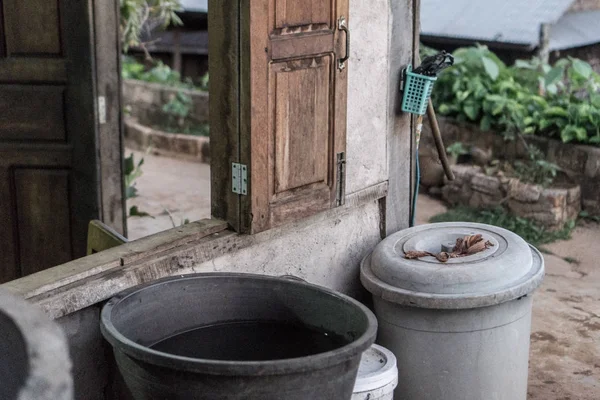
(516, 29)
(184, 48)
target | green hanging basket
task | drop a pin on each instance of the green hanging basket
(417, 91)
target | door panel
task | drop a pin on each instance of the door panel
(291, 14)
(43, 217)
(302, 131)
(32, 27)
(32, 113)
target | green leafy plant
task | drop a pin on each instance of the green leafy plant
(158, 73)
(560, 100)
(137, 15)
(178, 109)
(526, 228)
(134, 211)
(536, 170)
(590, 217)
(457, 149)
(132, 171)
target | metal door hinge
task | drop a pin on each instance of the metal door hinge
(101, 110)
(239, 175)
(340, 189)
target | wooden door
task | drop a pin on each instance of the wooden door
(291, 105)
(49, 179)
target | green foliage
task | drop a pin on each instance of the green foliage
(561, 101)
(587, 216)
(527, 229)
(536, 170)
(457, 149)
(132, 171)
(178, 111)
(179, 106)
(137, 15)
(134, 211)
(158, 73)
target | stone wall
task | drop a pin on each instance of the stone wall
(188, 147)
(584, 5)
(550, 207)
(580, 162)
(145, 101)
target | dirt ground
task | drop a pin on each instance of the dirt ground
(168, 185)
(565, 339)
(565, 335)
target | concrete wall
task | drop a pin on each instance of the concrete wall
(325, 249)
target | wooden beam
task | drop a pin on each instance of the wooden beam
(223, 65)
(397, 203)
(114, 258)
(110, 126)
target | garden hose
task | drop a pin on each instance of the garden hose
(413, 213)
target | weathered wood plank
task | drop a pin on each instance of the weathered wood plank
(8, 258)
(110, 128)
(33, 28)
(43, 218)
(152, 245)
(81, 283)
(399, 124)
(23, 154)
(224, 64)
(80, 108)
(114, 258)
(14, 70)
(301, 47)
(32, 113)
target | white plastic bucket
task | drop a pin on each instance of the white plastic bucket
(377, 375)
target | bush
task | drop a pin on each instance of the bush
(158, 73)
(526, 228)
(561, 101)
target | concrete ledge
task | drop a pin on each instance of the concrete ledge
(81, 283)
(140, 137)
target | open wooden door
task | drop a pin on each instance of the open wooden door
(50, 158)
(278, 109)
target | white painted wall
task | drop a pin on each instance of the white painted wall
(367, 94)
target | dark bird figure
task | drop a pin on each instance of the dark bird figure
(433, 65)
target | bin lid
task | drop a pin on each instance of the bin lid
(376, 370)
(508, 269)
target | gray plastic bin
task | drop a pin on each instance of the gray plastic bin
(459, 330)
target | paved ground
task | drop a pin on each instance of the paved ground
(565, 340)
(181, 187)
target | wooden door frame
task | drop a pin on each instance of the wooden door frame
(109, 118)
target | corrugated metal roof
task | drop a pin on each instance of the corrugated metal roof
(194, 5)
(508, 21)
(575, 30)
